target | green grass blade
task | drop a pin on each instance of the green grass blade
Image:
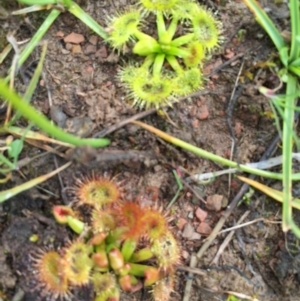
(295, 30)
(41, 121)
(296, 63)
(295, 228)
(295, 70)
(38, 35)
(4, 160)
(32, 85)
(267, 24)
(37, 2)
(88, 20)
(287, 148)
(207, 155)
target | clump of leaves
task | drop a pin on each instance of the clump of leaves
(125, 247)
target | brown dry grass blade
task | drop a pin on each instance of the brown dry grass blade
(273, 193)
(34, 136)
(6, 194)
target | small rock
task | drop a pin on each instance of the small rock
(204, 229)
(214, 202)
(201, 214)
(191, 215)
(195, 123)
(102, 53)
(69, 46)
(93, 40)
(188, 231)
(181, 222)
(195, 236)
(65, 51)
(229, 54)
(87, 70)
(238, 128)
(74, 38)
(89, 49)
(157, 168)
(113, 58)
(185, 254)
(76, 49)
(58, 116)
(60, 34)
(204, 113)
(188, 207)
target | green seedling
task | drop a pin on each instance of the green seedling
(180, 187)
(241, 35)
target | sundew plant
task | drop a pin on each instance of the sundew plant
(122, 247)
(172, 61)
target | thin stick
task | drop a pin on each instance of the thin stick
(227, 240)
(189, 283)
(191, 270)
(231, 104)
(245, 224)
(119, 125)
(234, 58)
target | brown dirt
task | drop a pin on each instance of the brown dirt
(260, 261)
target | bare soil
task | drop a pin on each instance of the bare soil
(260, 261)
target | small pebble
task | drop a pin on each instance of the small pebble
(74, 38)
(201, 214)
(204, 229)
(214, 202)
